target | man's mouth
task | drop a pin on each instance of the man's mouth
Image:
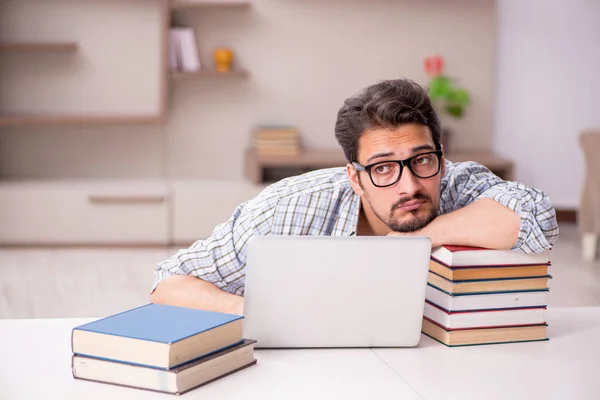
(410, 205)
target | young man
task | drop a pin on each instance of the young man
(396, 182)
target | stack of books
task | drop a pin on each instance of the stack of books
(161, 348)
(284, 141)
(481, 296)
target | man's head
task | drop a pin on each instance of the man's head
(393, 121)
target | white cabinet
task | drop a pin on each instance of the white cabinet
(199, 206)
(117, 213)
(46, 212)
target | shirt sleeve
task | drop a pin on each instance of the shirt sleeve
(466, 182)
(221, 258)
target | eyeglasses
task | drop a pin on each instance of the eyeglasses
(387, 173)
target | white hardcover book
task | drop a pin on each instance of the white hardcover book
(190, 57)
(453, 257)
(484, 319)
(174, 50)
(487, 301)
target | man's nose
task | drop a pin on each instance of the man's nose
(408, 184)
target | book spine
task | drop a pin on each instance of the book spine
(189, 50)
(174, 62)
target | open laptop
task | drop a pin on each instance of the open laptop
(332, 291)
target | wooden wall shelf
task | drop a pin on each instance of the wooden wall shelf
(498, 165)
(186, 4)
(41, 119)
(264, 169)
(259, 167)
(180, 76)
(38, 47)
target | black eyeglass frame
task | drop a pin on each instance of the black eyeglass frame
(402, 164)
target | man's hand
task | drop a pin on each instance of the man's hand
(189, 291)
(420, 232)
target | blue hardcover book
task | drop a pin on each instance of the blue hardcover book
(157, 336)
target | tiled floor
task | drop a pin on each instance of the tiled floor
(93, 282)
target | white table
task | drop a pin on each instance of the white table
(565, 367)
(36, 355)
(36, 364)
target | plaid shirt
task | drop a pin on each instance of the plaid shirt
(323, 203)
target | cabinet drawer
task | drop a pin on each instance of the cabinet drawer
(83, 213)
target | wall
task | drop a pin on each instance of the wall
(114, 70)
(547, 90)
(304, 58)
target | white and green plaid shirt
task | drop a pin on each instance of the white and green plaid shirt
(323, 203)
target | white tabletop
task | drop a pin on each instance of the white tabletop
(36, 364)
(565, 367)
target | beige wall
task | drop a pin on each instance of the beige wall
(547, 93)
(304, 57)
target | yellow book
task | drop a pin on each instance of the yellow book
(476, 273)
(467, 337)
(491, 285)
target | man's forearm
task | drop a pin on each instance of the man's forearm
(484, 223)
(189, 291)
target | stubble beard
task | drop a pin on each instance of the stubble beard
(416, 223)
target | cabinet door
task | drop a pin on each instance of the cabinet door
(84, 213)
(199, 206)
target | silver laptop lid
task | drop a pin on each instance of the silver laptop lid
(328, 291)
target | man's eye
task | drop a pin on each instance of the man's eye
(384, 168)
(423, 160)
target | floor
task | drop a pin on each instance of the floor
(94, 282)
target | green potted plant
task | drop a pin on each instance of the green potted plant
(446, 95)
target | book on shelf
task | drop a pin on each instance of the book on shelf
(177, 380)
(267, 143)
(487, 272)
(489, 285)
(278, 152)
(275, 132)
(183, 50)
(157, 336)
(276, 141)
(486, 301)
(484, 318)
(174, 50)
(456, 256)
(480, 336)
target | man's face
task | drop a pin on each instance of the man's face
(412, 202)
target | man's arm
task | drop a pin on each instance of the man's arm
(484, 223)
(210, 274)
(479, 209)
(189, 291)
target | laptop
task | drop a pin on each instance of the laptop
(333, 291)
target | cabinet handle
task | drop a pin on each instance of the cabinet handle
(126, 199)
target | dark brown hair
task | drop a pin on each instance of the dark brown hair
(385, 105)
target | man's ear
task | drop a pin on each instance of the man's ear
(353, 177)
(443, 160)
